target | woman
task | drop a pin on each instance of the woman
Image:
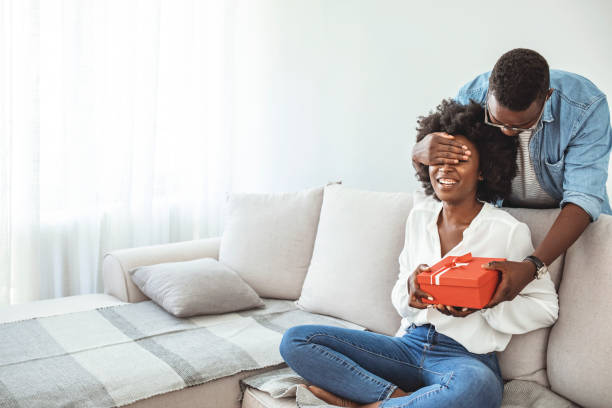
(443, 356)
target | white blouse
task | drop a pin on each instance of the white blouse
(492, 233)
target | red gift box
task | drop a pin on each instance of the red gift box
(460, 281)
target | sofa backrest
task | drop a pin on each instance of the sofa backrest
(525, 356)
(580, 345)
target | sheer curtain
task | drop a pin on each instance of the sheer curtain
(113, 134)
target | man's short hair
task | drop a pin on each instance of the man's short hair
(519, 77)
(497, 152)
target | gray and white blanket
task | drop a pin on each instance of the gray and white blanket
(116, 355)
(285, 383)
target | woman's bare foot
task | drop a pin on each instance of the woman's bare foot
(330, 398)
(333, 399)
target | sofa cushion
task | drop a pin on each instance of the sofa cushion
(198, 287)
(355, 260)
(268, 239)
(525, 356)
(580, 345)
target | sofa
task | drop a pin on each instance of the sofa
(565, 365)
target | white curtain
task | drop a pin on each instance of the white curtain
(113, 134)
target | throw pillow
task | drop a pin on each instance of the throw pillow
(268, 239)
(201, 286)
(355, 260)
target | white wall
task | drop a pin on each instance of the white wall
(331, 89)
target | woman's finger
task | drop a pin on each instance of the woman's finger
(442, 309)
(416, 302)
(418, 293)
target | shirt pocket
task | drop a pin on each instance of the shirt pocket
(555, 169)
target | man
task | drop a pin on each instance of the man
(562, 122)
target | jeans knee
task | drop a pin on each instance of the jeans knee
(292, 339)
(486, 388)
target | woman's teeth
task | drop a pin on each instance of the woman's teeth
(447, 181)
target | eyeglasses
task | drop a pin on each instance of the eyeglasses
(510, 128)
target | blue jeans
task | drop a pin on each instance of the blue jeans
(366, 367)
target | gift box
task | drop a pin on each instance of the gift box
(460, 281)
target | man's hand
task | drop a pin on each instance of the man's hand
(514, 277)
(416, 294)
(439, 148)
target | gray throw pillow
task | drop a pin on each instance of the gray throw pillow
(201, 286)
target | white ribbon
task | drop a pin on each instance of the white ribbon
(434, 279)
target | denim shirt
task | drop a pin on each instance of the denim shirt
(570, 148)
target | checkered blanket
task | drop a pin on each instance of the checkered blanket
(116, 355)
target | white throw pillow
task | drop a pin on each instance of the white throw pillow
(198, 287)
(355, 260)
(268, 239)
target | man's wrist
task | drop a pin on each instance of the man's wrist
(538, 264)
(532, 267)
(533, 270)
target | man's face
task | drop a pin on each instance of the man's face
(501, 115)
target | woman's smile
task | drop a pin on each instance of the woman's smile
(447, 182)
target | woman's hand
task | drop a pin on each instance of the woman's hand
(416, 294)
(455, 311)
(439, 148)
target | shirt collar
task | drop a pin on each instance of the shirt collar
(547, 116)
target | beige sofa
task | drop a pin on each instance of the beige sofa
(574, 358)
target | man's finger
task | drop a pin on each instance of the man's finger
(494, 265)
(452, 143)
(444, 135)
(450, 155)
(439, 161)
(498, 296)
(456, 149)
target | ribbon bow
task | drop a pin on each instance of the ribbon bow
(452, 262)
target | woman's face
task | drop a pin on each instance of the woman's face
(455, 183)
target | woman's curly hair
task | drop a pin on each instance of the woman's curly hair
(497, 152)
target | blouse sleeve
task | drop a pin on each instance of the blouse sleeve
(399, 296)
(536, 306)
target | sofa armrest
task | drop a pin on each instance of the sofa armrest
(116, 264)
